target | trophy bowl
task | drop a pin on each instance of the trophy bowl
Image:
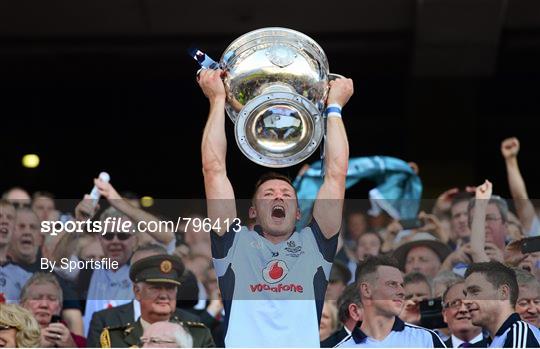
(276, 81)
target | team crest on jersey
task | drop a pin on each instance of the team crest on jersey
(275, 271)
(293, 250)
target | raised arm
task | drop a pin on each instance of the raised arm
(219, 191)
(328, 208)
(163, 236)
(478, 229)
(524, 207)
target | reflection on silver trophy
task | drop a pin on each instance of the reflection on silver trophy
(277, 82)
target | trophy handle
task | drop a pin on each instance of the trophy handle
(332, 77)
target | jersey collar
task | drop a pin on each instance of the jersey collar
(360, 336)
(508, 323)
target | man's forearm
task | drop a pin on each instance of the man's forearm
(162, 235)
(515, 180)
(478, 232)
(214, 142)
(336, 149)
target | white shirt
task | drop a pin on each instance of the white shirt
(456, 342)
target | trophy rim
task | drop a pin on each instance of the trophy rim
(251, 36)
(268, 161)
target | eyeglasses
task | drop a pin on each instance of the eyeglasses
(119, 236)
(455, 304)
(156, 340)
(6, 327)
(490, 218)
(19, 205)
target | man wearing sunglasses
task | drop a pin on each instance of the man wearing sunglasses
(463, 334)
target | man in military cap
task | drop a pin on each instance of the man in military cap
(155, 283)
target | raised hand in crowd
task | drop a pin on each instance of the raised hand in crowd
(478, 233)
(433, 225)
(86, 209)
(444, 201)
(524, 208)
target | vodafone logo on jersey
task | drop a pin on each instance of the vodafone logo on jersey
(275, 271)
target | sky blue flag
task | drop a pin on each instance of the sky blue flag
(398, 189)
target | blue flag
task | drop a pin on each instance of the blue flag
(398, 188)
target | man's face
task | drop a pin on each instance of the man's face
(424, 260)
(43, 302)
(528, 304)
(27, 237)
(276, 208)
(367, 245)
(325, 327)
(387, 291)
(8, 338)
(158, 300)
(495, 227)
(7, 224)
(414, 294)
(118, 247)
(356, 225)
(459, 220)
(43, 207)
(456, 314)
(161, 335)
(481, 299)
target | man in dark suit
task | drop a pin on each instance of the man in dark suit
(349, 313)
(155, 281)
(463, 334)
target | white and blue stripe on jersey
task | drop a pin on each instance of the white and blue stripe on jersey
(273, 293)
(402, 335)
(515, 333)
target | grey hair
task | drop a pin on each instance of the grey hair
(446, 278)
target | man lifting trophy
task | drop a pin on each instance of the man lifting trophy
(275, 88)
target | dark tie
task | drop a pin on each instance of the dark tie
(464, 345)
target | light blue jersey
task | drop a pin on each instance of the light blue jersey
(273, 293)
(12, 280)
(402, 335)
(515, 333)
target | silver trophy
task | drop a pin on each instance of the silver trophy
(277, 83)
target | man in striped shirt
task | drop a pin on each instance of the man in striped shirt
(491, 292)
(380, 283)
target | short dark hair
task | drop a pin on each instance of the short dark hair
(43, 194)
(371, 264)
(497, 274)
(349, 296)
(270, 176)
(460, 197)
(415, 278)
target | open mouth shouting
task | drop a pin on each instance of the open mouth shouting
(278, 213)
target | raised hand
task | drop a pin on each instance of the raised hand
(510, 148)
(340, 91)
(484, 191)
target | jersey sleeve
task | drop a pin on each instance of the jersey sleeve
(223, 249)
(327, 247)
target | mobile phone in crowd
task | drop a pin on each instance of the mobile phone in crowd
(431, 314)
(56, 318)
(530, 245)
